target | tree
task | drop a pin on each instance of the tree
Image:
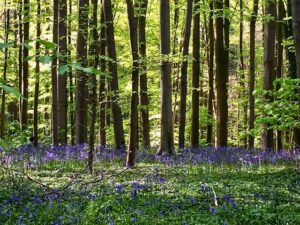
(221, 77)
(20, 55)
(54, 74)
(252, 72)
(111, 52)
(195, 77)
(184, 66)
(62, 106)
(3, 97)
(296, 29)
(166, 139)
(133, 138)
(25, 76)
(37, 74)
(144, 100)
(269, 64)
(81, 77)
(209, 134)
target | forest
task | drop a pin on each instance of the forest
(150, 112)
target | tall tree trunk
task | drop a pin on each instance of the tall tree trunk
(102, 102)
(133, 138)
(111, 52)
(279, 60)
(20, 56)
(242, 75)
(209, 134)
(184, 67)
(296, 29)
(37, 74)
(252, 73)
(144, 100)
(54, 74)
(221, 77)
(93, 83)
(166, 137)
(195, 136)
(81, 77)
(24, 117)
(269, 63)
(70, 75)
(62, 105)
(3, 97)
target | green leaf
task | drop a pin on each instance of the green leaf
(48, 44)
(45, 59)
(6, 45)
(11, 90)
(77, 66)
(62, 69)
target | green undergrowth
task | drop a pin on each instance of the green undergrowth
(63, 193)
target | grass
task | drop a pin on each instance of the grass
(151, 193)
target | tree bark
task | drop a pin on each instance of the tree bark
(209, 135)
(221, 77)
(37, 76)
(54, 74)
(252, 73)
(81, 77)
(296, 29)
(133, 138)
(279, 60)
(3, 97)
(195, 135)
(184, 67)
(20, 56)
(111, 52)
(62, 106)
(102, 102)
(144, 100)
(269, 64)
(166, 139)
(24, 113)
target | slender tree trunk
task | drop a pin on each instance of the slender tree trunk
(24, 117)
(195, 135)
(269, 64)
(209, 139)
(279, 60)
(3, 97)
(102, 131)
(133, 139)
(20, 69)
(296, 29)
(111, 52)
(252, 73)
(70, 75)
(62, 106)
(37, 75)
(54, 75)
(93, 83)
(221, 77)
(184, 67)
(242, 74)
(81, 77)
(167, 138)
(144, 100)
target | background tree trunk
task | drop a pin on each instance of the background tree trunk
(184, 67)
(81, 77)
(144, 100)
(20, 56)
(195, 136)
(269, 64)
(111, 52)
(252, 73)
(166, 139)
(37, 76)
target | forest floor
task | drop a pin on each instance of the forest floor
(205, 186)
